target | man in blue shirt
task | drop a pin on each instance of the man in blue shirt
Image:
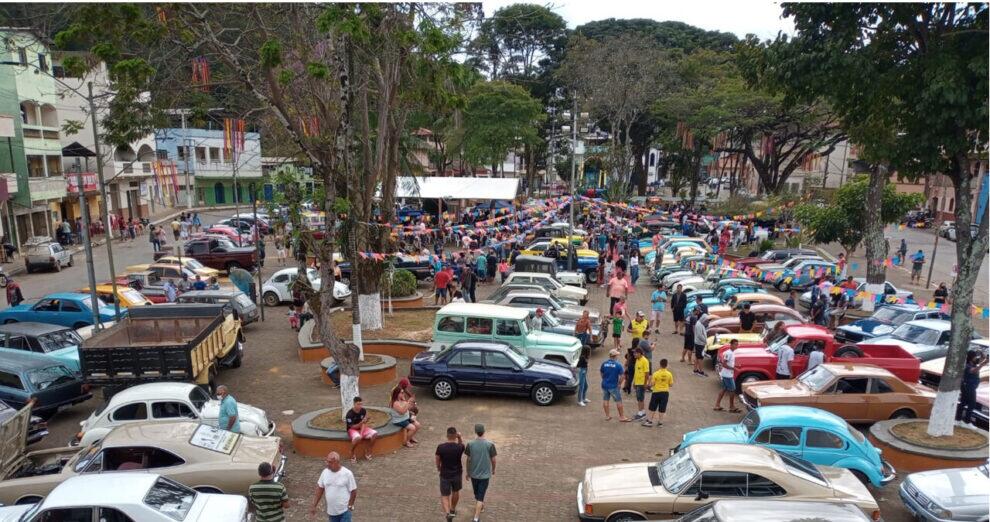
(613, 375)
(228, 418)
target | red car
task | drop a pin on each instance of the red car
(231, 234)
(758, 362)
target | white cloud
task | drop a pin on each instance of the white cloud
(740, 17)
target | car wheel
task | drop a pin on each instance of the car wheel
(783, 286)
(271, 299)
(849, 351)
(239, 357)
(749, 377)
(592, 276)
(903, 414)
(28, 500)
(624, 517)
(79, 325)
(9, 321)
(71, 262)
(57, 266)
(861, 476)
(444, 389)
(544, 394)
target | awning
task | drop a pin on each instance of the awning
(435, 187)
(75, 150)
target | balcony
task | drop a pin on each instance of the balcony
(11, 181)
(132, 169)
(42, 189)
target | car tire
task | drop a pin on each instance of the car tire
(849, 351)
(71, 262)
(592, 276)
(783, 286)
(543, 394)
(9, 321)
(861, 476)
(79, 325)
(624, 517)
(239, 358)
(444, 389)
(271, 299)
(748, 377)
(57, 266)
(903, 413)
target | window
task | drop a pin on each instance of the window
(42, 62)
(70, 306)
(851, 385)
(16, 343)
(498, 361)
(507, 328)
(198, 397)
(880, 386)
(194, 249)
(50, 377)
(214, 154)
(171, 410)
(46, 305)
(201, 154)
(75, 514)
(281, 278)
(780, 436)
(131, 458)
(451, 324)
(469, 358)
(162, 154)
(824, 439)
(22, 55)
(758, 486)
(479, 326)
(130, 412)
(171, 499)
(11, 380)
(112, 515)
(720, 484)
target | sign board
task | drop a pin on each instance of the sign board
(7, 129)
(89, 179)
(214, 439)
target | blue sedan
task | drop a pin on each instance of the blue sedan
(491, 367)
(814, 435)
(884, 321)
(65, 309)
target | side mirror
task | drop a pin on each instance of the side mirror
(701, 496)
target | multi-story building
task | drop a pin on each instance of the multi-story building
(205, 168)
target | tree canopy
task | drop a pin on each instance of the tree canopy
(499, 116)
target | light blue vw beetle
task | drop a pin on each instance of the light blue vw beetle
(814, 435)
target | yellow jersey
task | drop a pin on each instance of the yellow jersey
(640, 371)
(638, 327)
(662, 379)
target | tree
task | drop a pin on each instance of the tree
(909, 83)
(499, 116)
(841, 219)
(666, 35)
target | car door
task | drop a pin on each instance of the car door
(73, 312)
(44, 311)
(801, 352)
(785, 439)
(824, 447)
(281, 284)
(467, 369)
(172, 410)
(18, 342)
(509, 331)
(848, 397)
(716, 485)
(884, 401)
(502, 375)
(478, 329)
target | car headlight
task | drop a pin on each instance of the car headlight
(939, 511)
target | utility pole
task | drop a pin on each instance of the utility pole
(571, 252)
(257, 246)
(104, 211)
(88, 245)
(185, 145)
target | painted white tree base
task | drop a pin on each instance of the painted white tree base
(348, 390)
(370, 309)
(943, 417)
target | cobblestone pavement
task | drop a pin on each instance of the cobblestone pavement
(543, 451)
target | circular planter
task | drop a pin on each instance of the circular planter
(402, 303)
(910, 457)
(317, 442)
(312, 350)
(371, 374)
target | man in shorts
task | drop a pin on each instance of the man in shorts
(358, 429)
(613, 375)
(917, 261)
(700, 328)
(480, 467)
(726, 373)
(660, 383)
(448, 461)
(641, 372)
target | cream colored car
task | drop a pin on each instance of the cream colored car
(199, 456)
(703, 473)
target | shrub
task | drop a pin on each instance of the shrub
(403, 283)
(765, 245)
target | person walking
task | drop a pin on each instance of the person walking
(337, 488)
(582, 328)
(481, 454)
(700, 340)
(902, 251)
(467, 284)
(917, 261)
(613, 376)
(633, 266)
(14, 294)
(941, 294)
(726, 373)
(659, 383)
(582, 375)
(269, 499)
(449, 467)
(228, 418)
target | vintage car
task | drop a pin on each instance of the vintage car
(774, 257)
(856, 392)
(58, 342)
(749, 510)
(553, 286)
(52, 386)
(120, 497)
(742, 298)
(554, 324)
(947, 494)
(234, 235)
(891, 294)
(278, 288)
(534, 300)
(491, 367)
(803, 274)
(43, 252)
(524, 263)
(420, 267)
(163, 402)
(812, 434)
(126, 296)
(188, 263)
(245, 308)
(539, 248)
(925, 339)
(507, 288)
(763, 312)
(884, 321)
(931, 371)
(199, 456)
(221, 254)
(66, 309)
(703, 473)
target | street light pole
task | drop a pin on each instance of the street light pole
(88, 245)
(571, 253)
(104, 214)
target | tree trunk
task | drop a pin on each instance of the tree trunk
(876, 245)
(696, 174)
(969, 257)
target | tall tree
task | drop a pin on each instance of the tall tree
(910, 84)
(499, 117)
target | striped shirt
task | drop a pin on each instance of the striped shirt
(267, 496)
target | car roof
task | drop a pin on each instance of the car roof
(66, 295)
(153, 390)
(483, 345)
(538, 259)
(532, 274)
(857, 369)
(712, 457)
(758, 296)
(484, 309)
(527, 293)
(144, 433)
(806, 330)
(18, 360)
(800, 416)
(787, 511)
(30, 328)
(932, 324)
(114, 489)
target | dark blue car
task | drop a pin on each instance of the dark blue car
(491, 367)
(884, 321)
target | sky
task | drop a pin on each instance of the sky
(741, 17)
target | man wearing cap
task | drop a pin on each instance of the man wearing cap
(480, 467)
(637, 326)
(613, 375)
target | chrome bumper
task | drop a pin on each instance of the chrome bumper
(280, 472)
(889, 473)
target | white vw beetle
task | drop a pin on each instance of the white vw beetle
(278, 288)
(165, 401)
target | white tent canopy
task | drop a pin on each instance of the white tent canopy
(434, 187)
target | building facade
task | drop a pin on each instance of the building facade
(198, 165)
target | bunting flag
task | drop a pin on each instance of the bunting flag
(233, 135)
(810, 161)
(766, 146)
(162, 15)
(201, 72)
(310, 126)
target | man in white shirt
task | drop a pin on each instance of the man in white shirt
(816, 357)
(338, 487)
(700, 340)
(785, 354)
(726, 373)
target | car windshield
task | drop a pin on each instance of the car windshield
(192, 263)
(523, 361)
(198, 397)
(312, 274)
(58, 340)
(225, 243)
(751, 421)
(889, 314)
(87, 301)
(550, 320)
(85, 457)
(916, 334)
(803, 469)
(677, 471)
(50, 377)
(170, 499)
(243, 300)
(817, 378)
(778, 343)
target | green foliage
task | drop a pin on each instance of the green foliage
(498, 117)
(841, 220)
(271, 53)
(765, 245)
(667, 34)
(517, 41)
(403, 283)
(318, 70)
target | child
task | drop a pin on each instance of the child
(616, 329)
(503, 270)
(791, 300)
(659, 383)
(293, 318)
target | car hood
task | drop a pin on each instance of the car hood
(552, 339)
(220, 508)
(620, 480)
(256, 449)
(548, 368)
(847, 487)
(953, 488)
(776, 389)
(13, 513)
(869, 327)
(245, 413)
(726, 433)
